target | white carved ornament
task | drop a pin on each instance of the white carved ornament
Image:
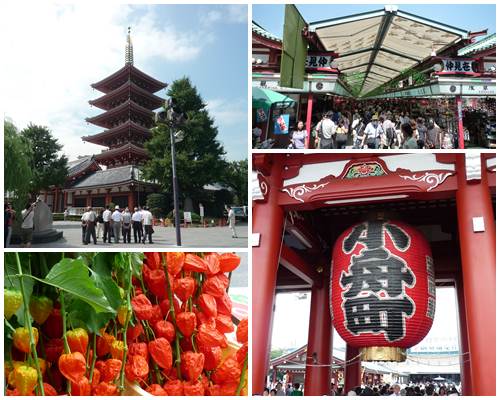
(491, 164)
(298, 191)
(260, 187)
(473, 165)
(432, 179)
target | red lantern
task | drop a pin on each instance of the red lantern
(382, 288)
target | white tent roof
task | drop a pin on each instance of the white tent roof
(375, 47)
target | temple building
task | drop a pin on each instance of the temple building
(113, 176)
(301, 205)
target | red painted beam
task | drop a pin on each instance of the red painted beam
(292, 261)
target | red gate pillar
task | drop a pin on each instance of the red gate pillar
(107, 198)
(65, 200)
(460, 124)
(268, 223)
(54, 201)
(309, 119)
(131, 201)
(319, 344)
(478, 274)
(352, 370)
(465, 370)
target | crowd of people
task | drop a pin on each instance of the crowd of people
(412, 389)
(368, 130)
(116, 224)
(375, 127)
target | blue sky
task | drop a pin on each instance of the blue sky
(55, 51)
(465, 16)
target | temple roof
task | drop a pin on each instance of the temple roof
(118, 151)
(107, 119)
(110, 176)
(80, 164)
(484, 44)
(123, 129)
(259, 30)
(125, 91)
(129, 72)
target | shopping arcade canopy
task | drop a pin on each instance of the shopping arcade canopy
(376, 47)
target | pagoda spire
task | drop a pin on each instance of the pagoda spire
(129, 50)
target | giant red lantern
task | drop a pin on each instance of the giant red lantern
(382, 288)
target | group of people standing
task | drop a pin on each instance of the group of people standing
(113, 224)
(373, 131)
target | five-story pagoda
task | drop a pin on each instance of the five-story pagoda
(128, 103)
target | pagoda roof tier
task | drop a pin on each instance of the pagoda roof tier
(127, 129)
(125, 111)
(129, 90)
(129, 72)
(127, 154)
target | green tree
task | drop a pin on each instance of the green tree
(48, 167)
(200, 157)
(158, 204)
(236, 177)
(17, 166)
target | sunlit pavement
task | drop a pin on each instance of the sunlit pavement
(163, 237)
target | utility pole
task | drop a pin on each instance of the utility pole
(176, 189)
(174, 118)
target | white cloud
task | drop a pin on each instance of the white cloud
(228, 112)
(52, 53)
(230, 13)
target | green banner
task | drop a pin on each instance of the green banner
(294, 53)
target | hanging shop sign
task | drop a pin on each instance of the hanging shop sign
(321, 61)
(261, 115)
(382, 287)
(282, 124)
(458, 66)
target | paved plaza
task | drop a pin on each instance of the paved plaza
(163, 237)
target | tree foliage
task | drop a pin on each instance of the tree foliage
(200, 157)
(17, 166)
(236, 177)
(48, 167)
(158, 204)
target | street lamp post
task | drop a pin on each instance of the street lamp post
(176, 189)
(175, 118)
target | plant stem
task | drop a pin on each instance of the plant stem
(65, 339)
(94, 357)
(172, 310)
(243, 376)
(27, 321)
(125, 327)
(7, 323)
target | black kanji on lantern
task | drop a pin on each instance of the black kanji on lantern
(372, 314)
(371, 273)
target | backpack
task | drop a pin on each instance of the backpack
(390, 134)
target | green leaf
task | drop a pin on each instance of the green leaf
(72, 276)
(84, 315)
(137, 260)
(101, 275)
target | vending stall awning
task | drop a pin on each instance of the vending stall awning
(375, 47)
(265, 98)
